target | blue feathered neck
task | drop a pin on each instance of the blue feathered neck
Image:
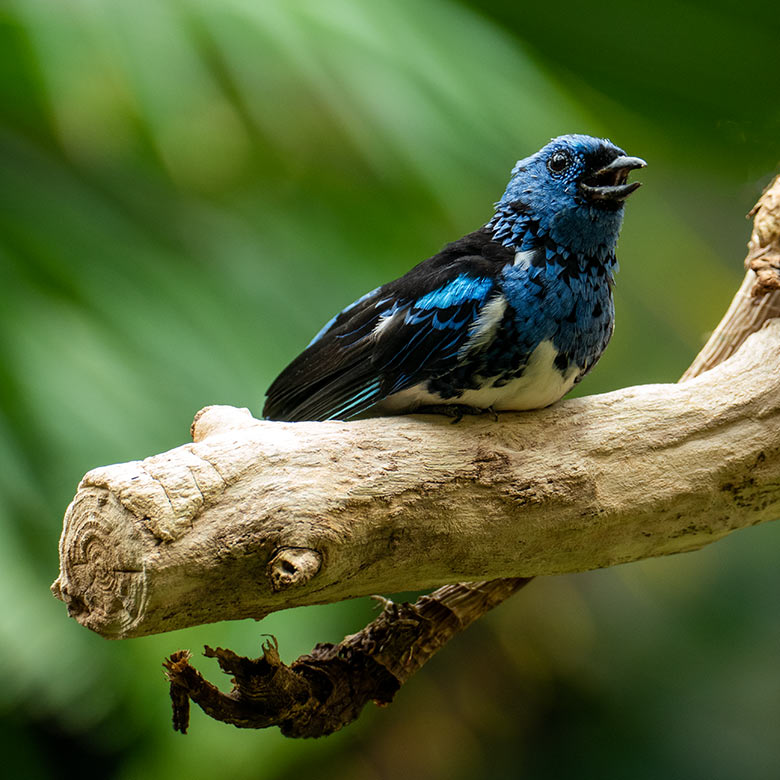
(562, 244)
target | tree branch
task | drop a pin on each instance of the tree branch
(257, 516)
(758, 298)
(260, 516)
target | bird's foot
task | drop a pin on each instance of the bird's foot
(456, 411)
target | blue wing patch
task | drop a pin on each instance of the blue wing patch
(460, 290)
(430, 336)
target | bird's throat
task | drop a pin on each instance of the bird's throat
(568, 242)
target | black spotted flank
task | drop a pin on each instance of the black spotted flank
(561, 361)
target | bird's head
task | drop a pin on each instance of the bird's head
(571, 192)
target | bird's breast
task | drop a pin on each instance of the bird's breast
(529, 346)
(562, 302)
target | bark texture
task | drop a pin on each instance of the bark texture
(256, 516)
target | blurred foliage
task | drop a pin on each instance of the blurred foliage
(189, 188)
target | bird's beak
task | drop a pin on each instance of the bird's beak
(610, 183)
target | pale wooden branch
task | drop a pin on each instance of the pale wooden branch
(257, 516)
(758, 298)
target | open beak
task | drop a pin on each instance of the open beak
(610, 183)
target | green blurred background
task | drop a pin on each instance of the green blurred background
(190, 188)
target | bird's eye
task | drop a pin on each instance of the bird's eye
(558, 162)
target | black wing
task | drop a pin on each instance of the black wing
(394, 337)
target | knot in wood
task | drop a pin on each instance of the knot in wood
(293, 566)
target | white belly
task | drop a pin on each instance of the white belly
(540, 385)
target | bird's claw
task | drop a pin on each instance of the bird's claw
(456, 411)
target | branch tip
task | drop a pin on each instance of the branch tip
(764, 245)
(176, 667)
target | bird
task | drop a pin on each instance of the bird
(508, 318)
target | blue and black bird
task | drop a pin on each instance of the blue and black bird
(510, 316)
